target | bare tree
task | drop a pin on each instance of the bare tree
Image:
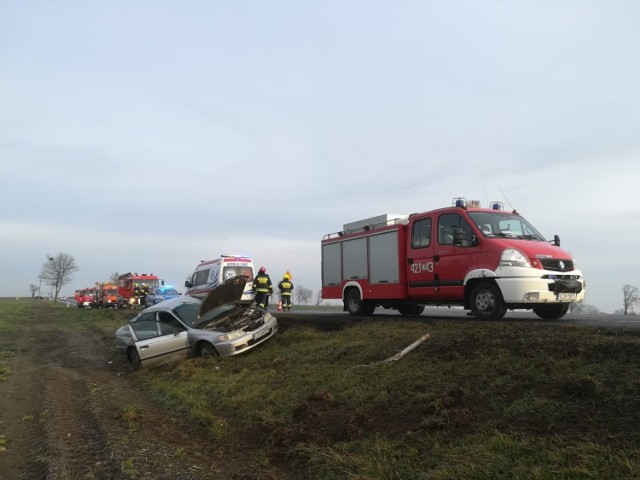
(113, 278)
(303, 295)
(33, 289)
(319, 298)
(58, 271)
(630, 296)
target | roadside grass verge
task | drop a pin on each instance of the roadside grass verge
(479, 400)
(12, 314)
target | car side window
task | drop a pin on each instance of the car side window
(421, 235)
(145, 326)
(168, 324)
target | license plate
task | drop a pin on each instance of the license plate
(261, 333)
(566, 297)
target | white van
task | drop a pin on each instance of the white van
(210, 273)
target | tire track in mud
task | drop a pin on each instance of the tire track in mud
(64, 412)
(63, 436)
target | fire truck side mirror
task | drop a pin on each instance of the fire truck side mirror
(187, 284)
(556, 240)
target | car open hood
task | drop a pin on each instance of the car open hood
(227, 292)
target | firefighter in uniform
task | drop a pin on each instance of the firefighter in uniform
(137, 293)
(262, 286)
(285, 287)
(144, 291)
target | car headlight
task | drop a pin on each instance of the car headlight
(513, 258)
(227, 337)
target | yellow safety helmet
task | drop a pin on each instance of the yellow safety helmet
(286, 276)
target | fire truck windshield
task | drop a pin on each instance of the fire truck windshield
(503, 224)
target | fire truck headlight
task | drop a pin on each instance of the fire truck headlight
(513, 258)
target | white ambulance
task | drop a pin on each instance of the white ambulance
(209, 274)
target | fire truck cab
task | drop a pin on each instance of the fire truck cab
(486, 260)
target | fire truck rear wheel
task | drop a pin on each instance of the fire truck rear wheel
(411, 310)
(356, 306)
(486, 302)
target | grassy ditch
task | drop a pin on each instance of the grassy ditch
(478, 400)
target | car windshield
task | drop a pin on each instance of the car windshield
(188, 313)
(503, 224)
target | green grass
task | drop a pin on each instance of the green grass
(479, 400)
(12, 313)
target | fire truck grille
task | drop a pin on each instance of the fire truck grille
(557, 265)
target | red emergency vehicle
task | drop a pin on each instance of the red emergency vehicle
(127, 285)
(86, 297)
(107, 295)
(486, 260)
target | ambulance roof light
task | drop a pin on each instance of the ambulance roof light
(496, 206)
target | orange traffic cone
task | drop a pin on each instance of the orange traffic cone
(280, 306)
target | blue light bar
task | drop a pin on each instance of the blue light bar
(460, 202)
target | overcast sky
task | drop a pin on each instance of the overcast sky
(149, 135)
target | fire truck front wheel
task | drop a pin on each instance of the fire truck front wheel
(356, 306)
(552, 312)
(486, 302)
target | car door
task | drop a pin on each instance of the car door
(160, 338)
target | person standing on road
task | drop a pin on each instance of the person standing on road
(262, 286)
(286, 287)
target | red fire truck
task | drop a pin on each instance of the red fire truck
(486, 260)
(86, 297)
(127, 284)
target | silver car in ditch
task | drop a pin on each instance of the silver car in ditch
(185, 326)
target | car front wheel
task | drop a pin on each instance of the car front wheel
(206, 350)
(134, 359)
